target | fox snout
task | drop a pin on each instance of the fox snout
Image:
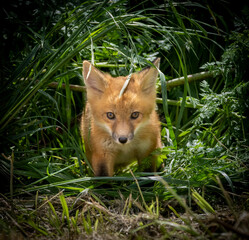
(122, 138)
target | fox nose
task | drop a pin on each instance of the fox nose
(123, 139)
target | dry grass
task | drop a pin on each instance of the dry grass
(84, 217)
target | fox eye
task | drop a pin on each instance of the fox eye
(134, 115)
(110, 115)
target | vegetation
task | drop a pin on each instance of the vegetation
(201, 188)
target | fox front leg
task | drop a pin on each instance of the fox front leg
(102, 166)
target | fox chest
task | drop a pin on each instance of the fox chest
(124, 154)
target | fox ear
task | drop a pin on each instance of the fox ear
(93, 78)
(148, 77)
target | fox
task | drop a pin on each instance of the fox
(120, 128)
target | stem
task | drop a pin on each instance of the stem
(170, 84)
(76, 88)
(178, 103)
(191, 78)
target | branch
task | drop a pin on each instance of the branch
(178, 103)
(191, 78)
(76, 88)
(170, 84)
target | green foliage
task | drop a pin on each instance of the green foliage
(220, 115)
(39, 126)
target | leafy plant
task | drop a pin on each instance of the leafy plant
(204, 124)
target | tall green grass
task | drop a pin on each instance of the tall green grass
(40, 124)
(204, 160)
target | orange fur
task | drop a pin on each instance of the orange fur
(118, 130)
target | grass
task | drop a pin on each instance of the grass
(201, 188)
(95, 217)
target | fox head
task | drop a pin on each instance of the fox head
(121, 116)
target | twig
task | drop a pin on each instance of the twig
(178, 103)
(48, 200)
(170, 84)
(191, 78)
(76, 88)
(141, 194)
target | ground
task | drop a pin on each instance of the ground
(91, 217)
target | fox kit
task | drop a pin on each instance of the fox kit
(119, 128)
